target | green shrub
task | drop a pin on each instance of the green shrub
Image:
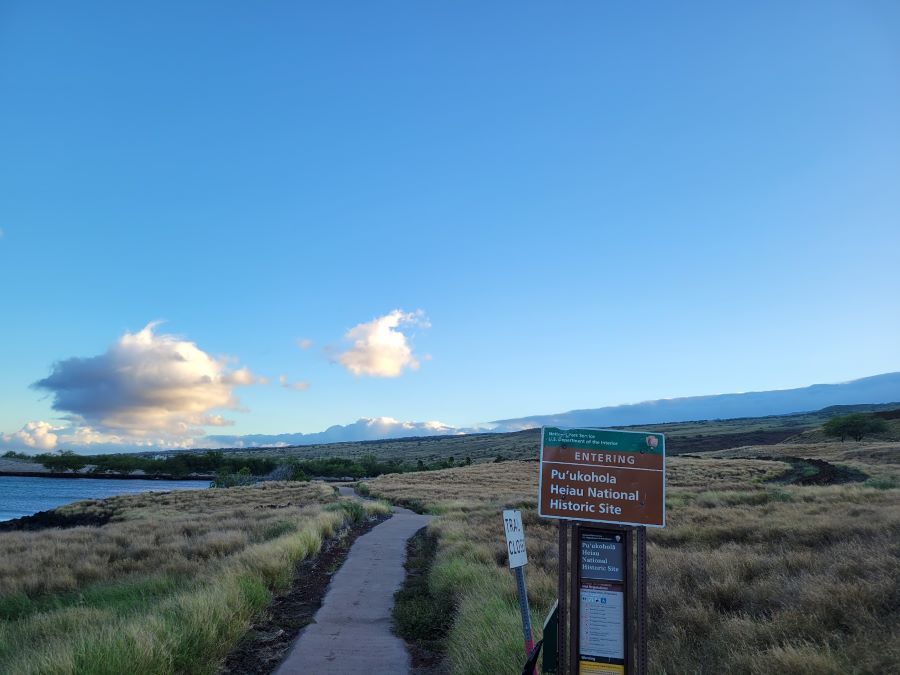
(227, 480)
(856, 426)
(885, 483)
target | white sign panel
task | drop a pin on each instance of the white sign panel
(602, 621)
(515, 538)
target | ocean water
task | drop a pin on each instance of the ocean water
(22, 496)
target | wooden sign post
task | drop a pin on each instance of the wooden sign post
(606, 487)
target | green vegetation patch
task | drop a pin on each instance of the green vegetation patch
(855, 426)
(886, 483)
(179, 465)
(354, 510)
(421, 616)
(122, 597)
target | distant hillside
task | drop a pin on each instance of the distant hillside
(681, 437)
(875, 389)
(868, 390)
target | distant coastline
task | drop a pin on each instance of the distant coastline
(17, 468)
(116, 476)
(28, 495)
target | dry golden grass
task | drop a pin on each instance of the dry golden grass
(166, 586)
(176, 533)
(880, 460)
(748, 576)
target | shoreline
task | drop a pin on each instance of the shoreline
(112, 476)
(25, 511)
(42, 520)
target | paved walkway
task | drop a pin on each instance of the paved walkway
(351, 632)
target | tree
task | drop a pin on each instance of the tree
(855, 426)
(226, 480)
(297, 472)
(369, 464)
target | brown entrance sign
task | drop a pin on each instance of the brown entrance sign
(603, 476)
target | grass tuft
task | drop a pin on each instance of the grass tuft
(422, 616)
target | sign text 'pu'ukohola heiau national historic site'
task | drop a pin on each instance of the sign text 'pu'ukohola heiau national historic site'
(604, 476)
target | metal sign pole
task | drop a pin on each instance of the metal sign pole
(518, 558)
(523, 607)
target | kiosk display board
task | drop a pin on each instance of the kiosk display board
(601, 475)
(601, 603)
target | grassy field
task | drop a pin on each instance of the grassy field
(878, 460)
(750, 575)
(167, 585)
(755, 573)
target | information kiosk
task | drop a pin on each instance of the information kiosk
(605, 487)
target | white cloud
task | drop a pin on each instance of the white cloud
(304, 343)
(35, 435)
(297, 386)
(241, 377)
(364, 429)
(85, 435)
(90, 440)
(379, 348)
(373, 428)
(145, 389)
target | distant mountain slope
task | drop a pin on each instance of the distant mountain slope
(875, 389)
(366, 429)
(869, 390)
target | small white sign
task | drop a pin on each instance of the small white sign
(515, 538)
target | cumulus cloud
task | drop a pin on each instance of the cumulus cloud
(241, 377)
(379, 348)
(146, 388)
(35, 435)
(297, 386)
(304, 343)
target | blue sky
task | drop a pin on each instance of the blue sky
(590, 204)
